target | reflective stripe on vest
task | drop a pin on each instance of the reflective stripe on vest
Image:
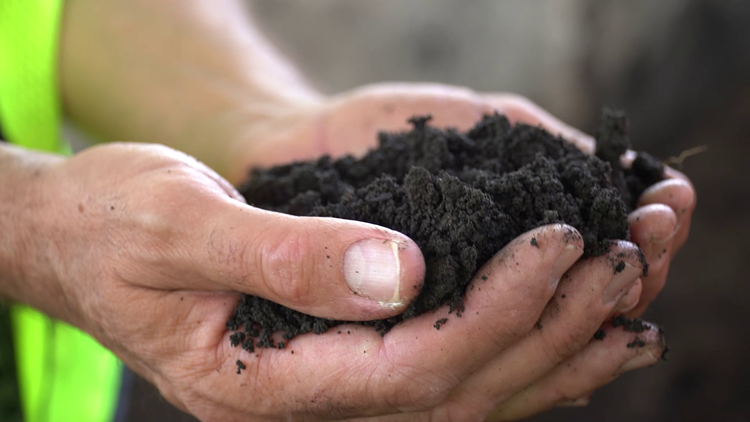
(64, 375)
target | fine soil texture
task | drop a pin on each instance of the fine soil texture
(460, 196)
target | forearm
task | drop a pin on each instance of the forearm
(25, 273)
(191, 75)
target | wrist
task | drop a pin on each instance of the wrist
(26, 273)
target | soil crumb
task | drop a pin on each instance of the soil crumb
(637, 342)
(440, 323)
(240, 366)
(600, 334)
(665, 354)
(630, 325)
(461, 196)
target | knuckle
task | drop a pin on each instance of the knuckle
(427, 390)
(518, 318)
(514, 329)
(228, 256)
(424, 394)
(418, 387)
(286, 268)
(567, 342)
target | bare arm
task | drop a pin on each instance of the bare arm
(21, 258)
(193, 75)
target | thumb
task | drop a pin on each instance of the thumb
(326, 267)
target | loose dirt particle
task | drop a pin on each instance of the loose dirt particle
(630, 325)
(240, 366)
(637, 342)
(440, 323)
(619, 267)
(600, 334)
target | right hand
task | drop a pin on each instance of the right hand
(147, 250)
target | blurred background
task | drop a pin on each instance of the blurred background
(680, 68)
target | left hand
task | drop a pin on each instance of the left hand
(349, 123)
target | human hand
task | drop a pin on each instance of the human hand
(349, 124)
(555, 363)
(147, 249)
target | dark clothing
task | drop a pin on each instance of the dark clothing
(10, 404)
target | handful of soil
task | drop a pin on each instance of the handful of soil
(460, 196)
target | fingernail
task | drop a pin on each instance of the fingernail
(567, 258)
(644, 359)
(630, 299)
(372, 269)
(675, 193)
(625, 275)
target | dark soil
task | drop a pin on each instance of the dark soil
(600, 334)
(460, 196)
(630, 325)
(637, 342)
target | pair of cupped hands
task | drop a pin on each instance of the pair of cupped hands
(150, 249)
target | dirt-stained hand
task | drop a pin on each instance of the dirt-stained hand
(348, 124)
(149, 249)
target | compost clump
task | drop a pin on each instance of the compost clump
(461, 196)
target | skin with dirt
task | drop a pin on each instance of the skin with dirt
(460, 196)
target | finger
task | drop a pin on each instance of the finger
(671, 173)
(502, 304)
(574, 380)
(653, 228)
(415, 365)
(630, 299)
(523, 110)
(584, 299)
(679, 195)
(388, 108)
(325, 267)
